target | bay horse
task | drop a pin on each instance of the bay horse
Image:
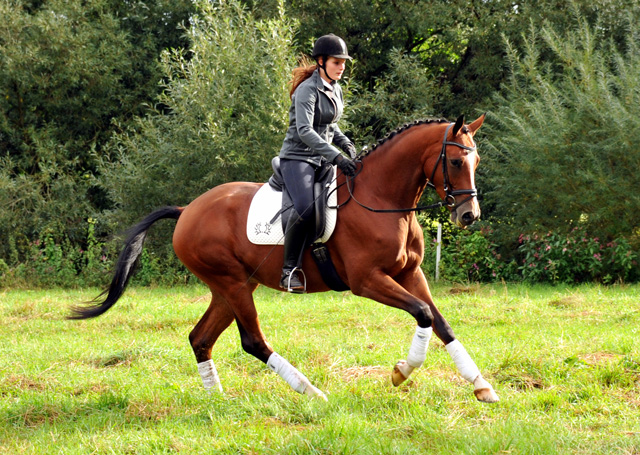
(377, 248)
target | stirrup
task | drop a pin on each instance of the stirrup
(288, 282)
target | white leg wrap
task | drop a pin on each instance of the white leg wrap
(461, 358)
(419, 345)
(209, 375)
(288, 372)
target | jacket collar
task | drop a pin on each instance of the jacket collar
(320, 85)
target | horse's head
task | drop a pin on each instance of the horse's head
(459, 160)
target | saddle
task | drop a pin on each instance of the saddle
(272, 201)
(321, 190)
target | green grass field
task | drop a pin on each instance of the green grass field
(565, 362)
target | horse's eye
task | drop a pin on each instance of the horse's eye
(457, 163)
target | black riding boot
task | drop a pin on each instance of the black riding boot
(295, 241)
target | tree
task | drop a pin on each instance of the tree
(67, 71)
(457, 42)
(562, 151)
(223, 117)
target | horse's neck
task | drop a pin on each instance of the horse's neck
(395, 171)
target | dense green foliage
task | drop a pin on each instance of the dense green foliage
(109, 109)
(565, 363)
(562, 152)
(224, 108)
(573, 257)
(68, 71)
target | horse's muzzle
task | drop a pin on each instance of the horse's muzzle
(466, 214)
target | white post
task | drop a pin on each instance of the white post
(438, 246)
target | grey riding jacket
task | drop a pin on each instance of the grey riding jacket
(313, 116)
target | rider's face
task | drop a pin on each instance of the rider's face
(334, 67)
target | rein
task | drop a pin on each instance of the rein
(450, 197)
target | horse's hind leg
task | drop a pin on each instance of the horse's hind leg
(254, 342)
(203, 336)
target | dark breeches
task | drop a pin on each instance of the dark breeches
(298, 178)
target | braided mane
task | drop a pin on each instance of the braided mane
(399, 130)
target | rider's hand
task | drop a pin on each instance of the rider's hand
(347, 166)
(351, 150)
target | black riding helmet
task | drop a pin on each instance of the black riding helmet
(329, 46)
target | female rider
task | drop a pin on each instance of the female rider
(316, 106)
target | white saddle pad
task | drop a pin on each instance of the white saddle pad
(266, 203)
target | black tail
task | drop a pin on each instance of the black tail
(125, 267)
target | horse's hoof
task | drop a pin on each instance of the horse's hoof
(401, 371)
(484, 392)
(313, 392)
(486, 395)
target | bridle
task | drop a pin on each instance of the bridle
(450, 194)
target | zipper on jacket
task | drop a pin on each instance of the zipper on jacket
(335, 113)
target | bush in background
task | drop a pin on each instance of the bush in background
(576, 258)
(472, 255)
(563, 134)
(221, 116)
(51, 262)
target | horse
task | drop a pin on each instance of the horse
(376, 207)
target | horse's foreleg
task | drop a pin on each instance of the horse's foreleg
(416, 357)
(469, 370)
(483, 391)
(204, 335)
(384, 289)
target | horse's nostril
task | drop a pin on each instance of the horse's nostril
(468, 218)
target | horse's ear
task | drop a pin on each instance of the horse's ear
(477, 123)
(458, 125)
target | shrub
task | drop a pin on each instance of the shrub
(576, 257)
(221, 116)
(468, 256)
(54, 261)
(561, 150)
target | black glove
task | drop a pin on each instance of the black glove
(351, 150)
(347, 166)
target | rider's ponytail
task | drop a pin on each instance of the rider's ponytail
(302, 73)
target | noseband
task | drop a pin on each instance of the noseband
(450, 195)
